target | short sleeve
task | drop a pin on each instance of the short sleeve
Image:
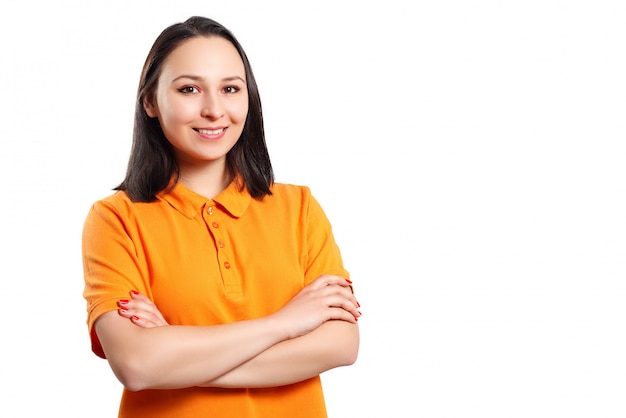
(110, 264)
(323, 254)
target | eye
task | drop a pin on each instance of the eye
(231, 89)
(188, 90)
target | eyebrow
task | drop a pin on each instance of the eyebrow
(198, 78)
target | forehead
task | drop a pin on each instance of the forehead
(203, 56)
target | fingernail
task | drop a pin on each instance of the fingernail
(135, 318)
(123, 310)
(349, 281)
(134, 292)
(123, 301)
(358, 305)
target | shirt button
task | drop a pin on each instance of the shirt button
(221, 244)
(215, 225)
(210, 210)
(227, 264)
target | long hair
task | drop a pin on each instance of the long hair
(152, 164)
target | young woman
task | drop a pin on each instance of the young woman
(210, 289)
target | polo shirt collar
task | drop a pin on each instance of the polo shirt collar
(190, 203)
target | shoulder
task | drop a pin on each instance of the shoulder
(290, 194)
(290, 190)
(115, 199)
(120, 205)
(294, 197)
(118, 201)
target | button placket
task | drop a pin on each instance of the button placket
(224, 256)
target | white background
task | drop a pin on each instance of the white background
(470, 156)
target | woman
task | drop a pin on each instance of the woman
(210, 289)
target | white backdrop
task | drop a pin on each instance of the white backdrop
(470, 156)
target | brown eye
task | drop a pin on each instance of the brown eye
(188, 90)
(231, 89)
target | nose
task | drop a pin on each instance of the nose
(212, 108)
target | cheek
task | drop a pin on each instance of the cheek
(238, 111)
(175, 112)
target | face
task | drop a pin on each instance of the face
(201, 100)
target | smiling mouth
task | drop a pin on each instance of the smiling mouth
(210, 131)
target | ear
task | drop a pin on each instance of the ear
(150, 107)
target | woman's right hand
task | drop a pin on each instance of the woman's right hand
(329, 297)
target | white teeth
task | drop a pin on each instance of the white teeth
(210, 131)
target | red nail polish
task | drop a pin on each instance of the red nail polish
(135, 318)
(123, 310)
(134, 292)
(349, 281)
(123, 301)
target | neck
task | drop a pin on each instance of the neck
(206, 180)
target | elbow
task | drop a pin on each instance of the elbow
(351, 356)
(350, 350)
(133, 385)
(129, 351)
(133, 382)
(132, 375)
(352, 353)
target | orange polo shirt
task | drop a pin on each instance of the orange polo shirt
(207, 262)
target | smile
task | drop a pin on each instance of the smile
(210, 131)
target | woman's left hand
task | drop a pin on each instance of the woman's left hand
(141, 311)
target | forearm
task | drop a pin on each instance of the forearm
(333, 344)
(181, 356)
(318, 327)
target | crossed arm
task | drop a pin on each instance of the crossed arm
(314, 332)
